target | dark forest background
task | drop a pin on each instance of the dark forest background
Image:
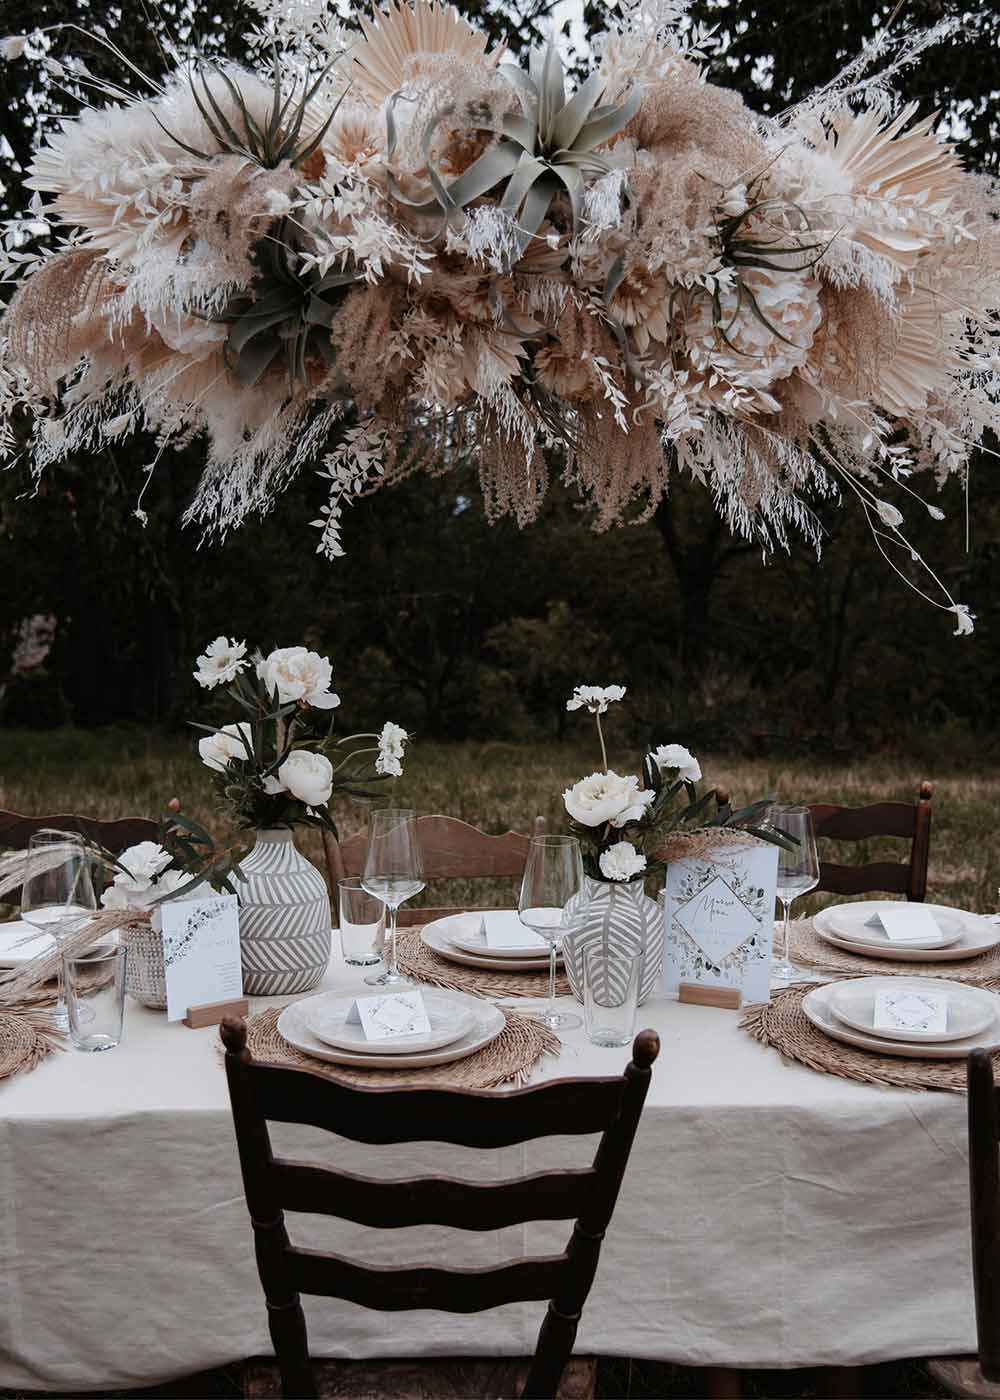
(468, 630)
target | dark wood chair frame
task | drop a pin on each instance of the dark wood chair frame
(115, 835)
(262, 1093)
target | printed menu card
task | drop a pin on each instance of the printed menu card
(201, 952)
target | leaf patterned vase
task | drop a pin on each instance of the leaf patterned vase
(284, 918)
(617, 918)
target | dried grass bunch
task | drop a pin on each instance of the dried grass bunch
(446, 254)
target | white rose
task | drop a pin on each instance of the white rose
(622, 861)
(606, 797)
(229, 742)
(297, 674)
(307, 776)
(595, 698)
(676, 756)
(223, 661)
(390, 749)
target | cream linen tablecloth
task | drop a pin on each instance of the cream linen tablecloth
(770, 1216)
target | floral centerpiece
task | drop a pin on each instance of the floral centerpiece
(280, 767)
(401, 241)
(629, 828)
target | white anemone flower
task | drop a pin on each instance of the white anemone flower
(222, 661)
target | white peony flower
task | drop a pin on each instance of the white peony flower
(676, 756)
(13, 46)
(607, 797)
(229, 742)
(596, 698)
(622, 861)
(298, 674)
(307, 776)
(223, 661)
(390, 749)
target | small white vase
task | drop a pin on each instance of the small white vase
(285, 926)
(617, 918)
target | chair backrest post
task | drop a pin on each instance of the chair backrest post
(920, 850)
(984, 1192)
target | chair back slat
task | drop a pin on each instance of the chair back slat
(984, 1193)
(862, 823)
(261, 1093)
(885, 875)
(449, 1290)
(909, 821)
(466, 1118)
(115, 835)
(462, 1205)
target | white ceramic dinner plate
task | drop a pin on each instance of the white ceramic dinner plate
(851, 921)
(465, 931)
(970, 1009)
(436, 937)
(20, 942)
(326, 1017)
(817, 1009)
(979, 935)
(487, 1023)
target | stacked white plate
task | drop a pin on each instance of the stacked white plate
(846, 1011)
(460, 1025)
(850, 926)
(461, 937)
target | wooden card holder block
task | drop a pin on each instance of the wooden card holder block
(210, 1013)
(728, 998)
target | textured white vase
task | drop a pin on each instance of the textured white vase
(617, 918)
(284, 918)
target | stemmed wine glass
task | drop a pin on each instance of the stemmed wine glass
(552, 883)
(798, 872)
(57, 893)
(393, 872)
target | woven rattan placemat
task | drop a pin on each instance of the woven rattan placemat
(809, 950)
(782, 1024)
(25, 1040)
(508, 1059)
(417, 960)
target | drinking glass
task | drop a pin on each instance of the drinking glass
(550, 891)
(798, 873)
(57, 893)
(362, 923)
(95, 997)
(393, 872)
(610, 995)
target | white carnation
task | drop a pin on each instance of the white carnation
(231, 741)
(622, 861)
(293, 673)
(607, 797)
(391, 743)
(595, 698)
(675, 757)
(223, 661)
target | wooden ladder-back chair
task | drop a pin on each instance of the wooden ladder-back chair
(452, 849)
(980, 1375)
(262, 1093)
(909, 820)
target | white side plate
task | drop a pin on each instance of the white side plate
(817, 1009)
(970, 1009)
(487, 1023)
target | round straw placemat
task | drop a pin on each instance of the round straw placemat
(809, 950)
(782, 1024)
(417, 960)
(25, 1040)
(509, 1058)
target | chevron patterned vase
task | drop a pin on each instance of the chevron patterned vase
(618, 918)
(284, 918)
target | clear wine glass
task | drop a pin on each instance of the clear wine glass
(798, 873)
(550, 890)
(393, 872)
(57, 893)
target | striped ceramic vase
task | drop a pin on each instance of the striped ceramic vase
(284, 918)
(616, 918)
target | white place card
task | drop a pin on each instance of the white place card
(201, 952)
(719, 921)
(908, 924)
(503, 929)
(391, 1015)
(907, 1010)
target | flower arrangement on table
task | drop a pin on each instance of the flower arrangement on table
(397, 237)
(628, 826)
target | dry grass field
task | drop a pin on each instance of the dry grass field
(130, 771)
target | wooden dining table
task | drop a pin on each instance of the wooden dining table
(771, 1216)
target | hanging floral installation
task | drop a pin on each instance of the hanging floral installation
(402, 244)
